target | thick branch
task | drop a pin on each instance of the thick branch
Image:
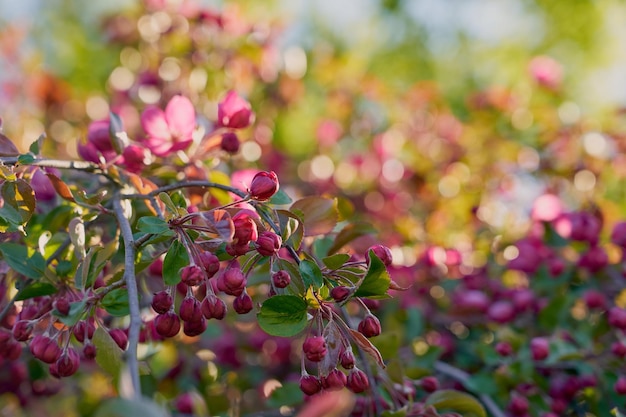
(462, 377)
(55, 163)
(133, 294)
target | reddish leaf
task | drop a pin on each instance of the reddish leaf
(367, 347)
(220, 221)
(318, 213)
(61, 188)
(7, 148)
(19, 195)
(348, 234)
(334, 344)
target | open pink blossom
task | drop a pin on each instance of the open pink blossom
(170, 130)
(234, 111)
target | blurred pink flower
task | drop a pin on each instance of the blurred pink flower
(234, 111)
(170, 130)
(546, 72)
(547, 208)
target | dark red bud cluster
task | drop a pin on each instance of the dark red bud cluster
(310, 384)
(232, 282)
(357, 381)
(314, 348)
(281, 279)
(162, 302)
(268, 243)
(370, 326)
(191, 275)
(340, 293)
(213, 308)
(243, 304)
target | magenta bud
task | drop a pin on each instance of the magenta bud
(335, 380)
(245, 228)
(618, 235)
(340, 293)
(195, 328)
(501, 312)
(243, 303)
(357, 381)
(347, 359)
(382, 252)
(370, 326)
(618, 349)
(22, 330)
(281, 279)
(230, 143)
(234, 111)
(190, 309)
(620, 385)
(213, 308)
(89, 351)
(45, 349)
(539, 348)
(594, 299)
(162, 302)
(518, 405)
(504, 348)
(167, 324)
(617, 318)
(314, 348)
(68, 363)
(210, 262)
(430, 384)
(191, 275)
(120, 337)
(62, 305)
(232, 282)
(268, 243)
(310, 384)
(184, 403)
(263, 186)
(82, 329)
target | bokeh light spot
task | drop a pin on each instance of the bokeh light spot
(584, 180)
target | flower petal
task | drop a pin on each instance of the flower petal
(154, 123)
(181, 117)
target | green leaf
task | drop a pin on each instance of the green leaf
(336, 261)
(123, 407)
(36, 289)
(77, 309)
(175, 259)
(17, 257)
(154, 225)
(93, 263)
(21, 197)
(311, 274)
(291, 229)
(287, 395)
(349, 233)
(116, 302)
(482, 383)
(398, 413)
(318, 213)
(26, 159)
(35, 147)
(280, 198)
(376, 281)
(283, 315)
(109, 355)
(165, 198)
(456, 401)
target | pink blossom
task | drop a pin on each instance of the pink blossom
(546, 71)
(170, 130)
(234, 111)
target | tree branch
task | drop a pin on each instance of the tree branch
(133, 294)
(54, 163)
(187, 184)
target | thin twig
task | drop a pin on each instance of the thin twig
(133, 294)
(187, 184)
(463, 377)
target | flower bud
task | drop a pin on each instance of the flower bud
(382, 252)
(84, 328)
(539, 348)
(618, 235)
(268, 243)
(234, 111)
(89, 351)
(11, 350)
(230, 143)
(167, 324)
(41, 185)
(195, 328)
(357, 381)
(347, 359)
(504, 348)
(45, 349)
(281, 279)
(335, 380)
(263, 186)
(430, 384)
(594, 299)
(310, 384)
(620, 385)
(191, 275)
(190, 309)
(62, 305)
(518, 405)
(235, 250)
(68, 363)
(314, 348)
(340, 293)
(370, 326)
(213, 308)
(120, 337)
(618, 349)
(210, 262)
(22, 330)
(501, 312)
(617, 318)
(243, 303)
(245, 228)
(232, 282)
(184, 403)
(162, 302)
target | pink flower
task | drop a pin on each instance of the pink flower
(171, 130)
(234, 111)
(546, 71)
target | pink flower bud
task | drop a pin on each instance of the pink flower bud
(89, 351)
(268, 243)
(335, 380)
(84, 328)
(382, 252)
(234, 111)
(281, 279)
(546, 71)
(184, 404)
(347, 359)
(501, 312)
(98, 135)
(518, 405)
(232, 282)
(41, 185)
(213, 308)
(314, 348)
(22, 330)
(617, 318)
(594, 259)
(195, 328)
(263, 186)
(310, 384)
(340, 293)
(136, 158)
(618, 235)
(243, 303)
(62, 305)
(504, 349)
(370, 326)
(68, 363)
(120, 337)
(167, 324)
(235, 250)
(594, 299)
(430, 384)
(191, 275)
(230, 143)
(357, 381)
(45, 349)
(620, 385)
(210, 262)
(162, 302)
(245, 228)
(539, 348)
(190, 309)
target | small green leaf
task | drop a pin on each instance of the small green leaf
(17, 257)
(165, 198)
(154, 225)
(175, 259)
(109, 355)
(63, 268)
(318, 213)
(376, 281)
(36, 289)
(21, 197)
(336, 261)
(456, 401)
(36, 146)
(116, 302)
(280, 198)
(77, 309)
(124, 407)
(283, 315)
(119, 139)
(311, 274)
(291, 229)
(287, 395)
(26, 159)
